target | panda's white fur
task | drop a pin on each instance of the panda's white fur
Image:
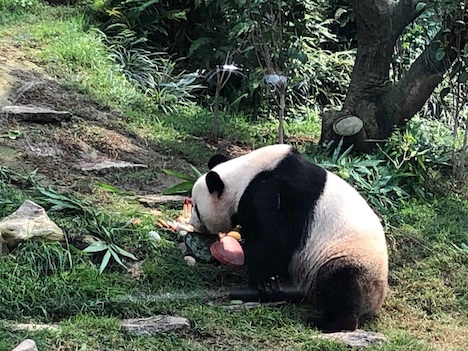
(341, 258)
(342, 219)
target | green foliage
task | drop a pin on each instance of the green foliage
(152, 72)
(110, 250)
(370, 175)
(291, 35)
(97, 222)
(19, 5)
(407, 165)
(186, 186)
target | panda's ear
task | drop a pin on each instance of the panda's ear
(214, 183)
(216, 160)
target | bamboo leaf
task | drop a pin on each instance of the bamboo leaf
(195, 171)
(96, 247)
(181, 188)
(178, 175)
(440, 54)
(105, 261)
(123, 252)
(444, 92)
(420, 6)
(116, 257)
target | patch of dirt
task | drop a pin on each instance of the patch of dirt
(58, 150)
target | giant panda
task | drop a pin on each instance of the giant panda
(301, 225)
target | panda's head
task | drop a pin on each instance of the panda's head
(216, 194)
(212, 202)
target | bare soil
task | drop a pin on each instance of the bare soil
(59, 150)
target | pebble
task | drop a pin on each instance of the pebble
(182, 248)
(154, 235)
(190, 261)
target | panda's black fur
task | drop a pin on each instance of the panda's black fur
(274, 212)
(281, 203)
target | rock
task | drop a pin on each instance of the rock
(28, 221)
(153, 200)
(108, 164)
(31, 113)
(191, 261)
(357, 339)
(155, 324)
(182, 248)
(3, 248)
(26, 345)
(35, 327)
(154, 235)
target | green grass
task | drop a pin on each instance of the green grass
(428, 299)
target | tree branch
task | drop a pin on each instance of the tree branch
(426, 72)
(405, 13)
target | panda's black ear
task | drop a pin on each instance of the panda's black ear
(214, 183)
(216, 160)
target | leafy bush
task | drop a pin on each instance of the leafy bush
(152, 72)
(206, 32)
(406, 165)
(370, 175)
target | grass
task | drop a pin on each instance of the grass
(50, 283)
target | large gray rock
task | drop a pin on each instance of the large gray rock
(155, 324)
(26, 345)
(28, 221)
(356, 339)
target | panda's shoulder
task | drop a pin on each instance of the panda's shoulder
(297, 167)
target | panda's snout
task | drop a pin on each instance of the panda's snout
(197, 224)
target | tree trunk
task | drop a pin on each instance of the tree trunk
(371, 96)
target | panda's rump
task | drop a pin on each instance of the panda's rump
(346, 276)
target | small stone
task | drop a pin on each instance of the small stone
(26, 345)
(357, 339)
(154, 235)
(155, 324)
(182, 248)
(190, 261)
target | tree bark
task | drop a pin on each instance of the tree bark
(371, 96)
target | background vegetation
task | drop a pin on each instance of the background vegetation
(154, 61)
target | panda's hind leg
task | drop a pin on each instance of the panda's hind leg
(343, 292)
